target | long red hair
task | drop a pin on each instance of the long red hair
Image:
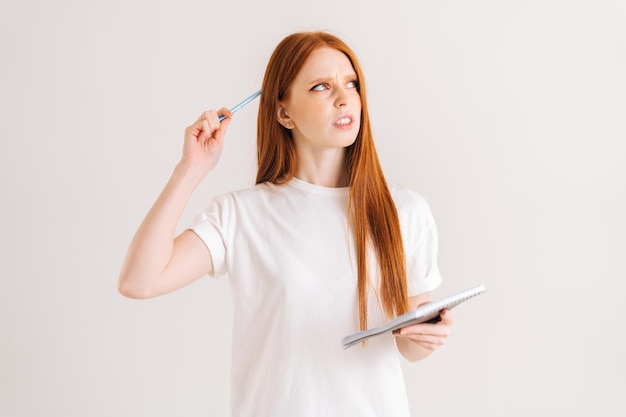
(372, 211)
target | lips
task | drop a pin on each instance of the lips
(344, 121)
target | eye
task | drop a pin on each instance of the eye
(353, 84)
(319, 87)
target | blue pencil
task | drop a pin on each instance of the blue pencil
(243, 103)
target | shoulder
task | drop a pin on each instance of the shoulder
(224, 207)
(244, 194)
(250, 198)
(413, 209)
(406, 198)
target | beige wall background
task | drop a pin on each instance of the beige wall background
(508, 116)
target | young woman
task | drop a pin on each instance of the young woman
(320, 247)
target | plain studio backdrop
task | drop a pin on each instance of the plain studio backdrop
(508, 116)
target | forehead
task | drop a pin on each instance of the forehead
(326, 62)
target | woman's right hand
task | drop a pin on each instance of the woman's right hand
(204, 140)
(157, 262)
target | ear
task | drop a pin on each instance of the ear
(283, 118)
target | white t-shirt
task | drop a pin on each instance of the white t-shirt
(291, 261)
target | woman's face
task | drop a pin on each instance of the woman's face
(323, 106)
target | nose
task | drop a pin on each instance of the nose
(341, 98)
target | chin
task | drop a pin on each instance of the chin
(349, 139)
(349, 143)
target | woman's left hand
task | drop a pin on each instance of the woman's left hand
(429, 336)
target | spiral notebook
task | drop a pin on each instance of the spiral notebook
(425, 313)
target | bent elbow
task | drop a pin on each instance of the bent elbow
(130, 289)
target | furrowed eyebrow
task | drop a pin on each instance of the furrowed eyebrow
(322, 80)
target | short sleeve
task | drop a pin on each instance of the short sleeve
(211, 225)
(420, 242)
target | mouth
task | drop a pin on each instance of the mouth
(345, 121)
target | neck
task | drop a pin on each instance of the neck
(326, 169)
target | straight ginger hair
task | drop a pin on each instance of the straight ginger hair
(372, 211)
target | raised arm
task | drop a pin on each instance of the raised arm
(157, 261)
